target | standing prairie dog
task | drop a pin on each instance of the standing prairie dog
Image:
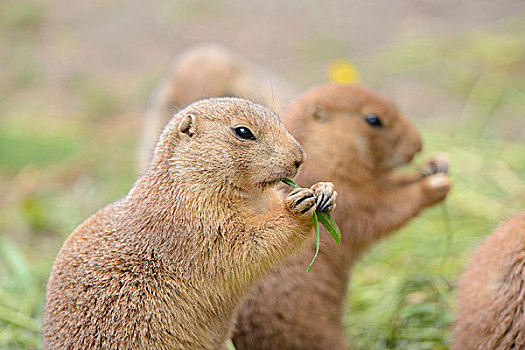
(209, 70)
(356, 139)
(492, 292)
(166, 266)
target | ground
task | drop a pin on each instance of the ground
(75, 79)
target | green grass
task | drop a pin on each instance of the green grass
(26, 141)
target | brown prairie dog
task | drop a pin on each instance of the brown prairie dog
(492, 292)
(209, 70)
(356, 139)
(166, 266)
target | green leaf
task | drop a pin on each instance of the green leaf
(329, 224)
(290, 183)
(229, 345)
(316, 228)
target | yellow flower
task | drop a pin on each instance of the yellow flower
(343, 72)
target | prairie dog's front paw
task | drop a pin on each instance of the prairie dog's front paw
(301, 201)
(436, 165)
(436, 188)
(325, 194)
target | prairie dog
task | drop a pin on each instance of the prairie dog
(491, 293)
(166, 266)
(355, 138)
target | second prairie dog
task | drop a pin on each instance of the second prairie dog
(491, 292)
(356, 139)
(209, 70)
(166, 266)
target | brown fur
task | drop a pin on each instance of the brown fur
(492, 292)
(166, 266)
(209, 70)
(293, 309)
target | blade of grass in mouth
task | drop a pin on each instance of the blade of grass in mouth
(290, 183)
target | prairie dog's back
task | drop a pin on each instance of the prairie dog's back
(212, 70)
(492, 292)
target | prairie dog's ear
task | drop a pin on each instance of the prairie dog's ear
(187, 125)
(319, 114)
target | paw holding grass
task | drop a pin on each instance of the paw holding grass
(318, 198)
(435, 165)
(301, 201)
(325, 194)
(436, 183)
(317, 202)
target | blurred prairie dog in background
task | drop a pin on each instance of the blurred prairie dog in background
(491, 294)
(208, 70)
(356, 139)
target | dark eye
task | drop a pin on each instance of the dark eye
(373, 120)
(243, 133)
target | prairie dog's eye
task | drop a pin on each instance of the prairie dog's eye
(373, 120)
(242, 132)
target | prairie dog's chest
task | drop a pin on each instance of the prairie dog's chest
(262, 202)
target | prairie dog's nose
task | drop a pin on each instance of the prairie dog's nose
(298, 156)
(415, 148)
(411, 141)
(419, 145)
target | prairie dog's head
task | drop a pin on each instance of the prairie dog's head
(349, 128)
(228, 143)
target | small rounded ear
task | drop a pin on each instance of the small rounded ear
(187, 125)
(319, 114)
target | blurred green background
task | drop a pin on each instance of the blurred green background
(75, 77)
